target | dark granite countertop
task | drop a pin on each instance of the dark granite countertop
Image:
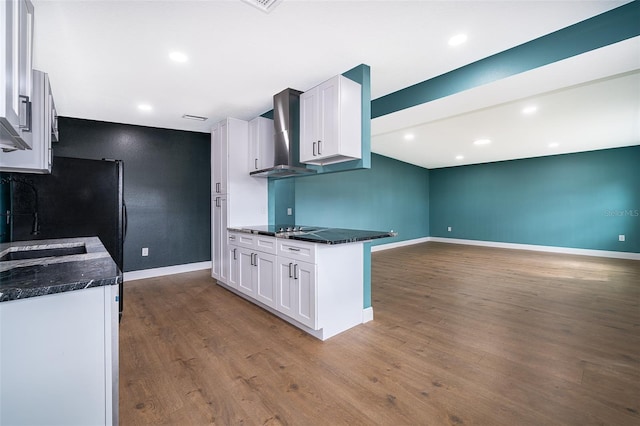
(24, 278)
(314, 234)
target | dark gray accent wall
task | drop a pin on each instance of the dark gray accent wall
(167, 186)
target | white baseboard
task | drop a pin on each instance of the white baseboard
(367, 314)
(400, 244)
(167, 270)
(549, 249)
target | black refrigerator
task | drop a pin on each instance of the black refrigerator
(80, 198)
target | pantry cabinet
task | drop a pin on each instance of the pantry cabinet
(331, 122)
(236, 198)
(15, 72)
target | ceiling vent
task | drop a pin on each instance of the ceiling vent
(264, 5)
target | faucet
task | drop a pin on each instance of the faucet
(35, 228)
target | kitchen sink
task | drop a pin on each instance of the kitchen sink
(46, 252)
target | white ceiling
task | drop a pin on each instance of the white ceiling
(106, 57)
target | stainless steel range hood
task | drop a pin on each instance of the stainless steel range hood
(286, 121)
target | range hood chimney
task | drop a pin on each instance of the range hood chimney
(286, 121)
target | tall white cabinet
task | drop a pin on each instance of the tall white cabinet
(237, 199)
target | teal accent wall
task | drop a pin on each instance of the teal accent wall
(281, 197)
(391, 195)
(582, 200)
(607, 28)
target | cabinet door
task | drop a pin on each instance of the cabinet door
(224, 156)
(286, 291)
(265, 278)
(308, 125)
(245, 277)
(38, 158)
(219, 160)
(234, 266)
(261, 151)
(25, 68)
(15, 101)
(218, 237)
(304, 275)
(296, 291)
(254, 146)
(328, 121)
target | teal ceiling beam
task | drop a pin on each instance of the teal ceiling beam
(611, 27)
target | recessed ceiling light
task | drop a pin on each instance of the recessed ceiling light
(531, 109)
(178, 57)
(459, 157)
(409, 137)
(457, 39)
(482, 142)
(554, 145)
(145, 107)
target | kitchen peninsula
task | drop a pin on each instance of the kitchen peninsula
(58, 332)
(310, 276)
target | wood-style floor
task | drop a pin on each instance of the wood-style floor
(462, 335)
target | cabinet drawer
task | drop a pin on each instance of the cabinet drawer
(297, 250)
(265, 244)
(245, 240)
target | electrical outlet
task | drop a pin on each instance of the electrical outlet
(449, 229)
(621, 237)
(289, 211)
(145, 251)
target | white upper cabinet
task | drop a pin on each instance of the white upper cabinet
(15, 71)
(260, 144)
(331, 122)
(45, 129)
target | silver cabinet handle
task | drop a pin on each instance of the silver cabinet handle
(252, 259)
(294, 249)
(295, 271)
(255, 162)
(26, 127)
(234, 254)
(290, 269)
(314, 149)
(319, 146)
(218, 187)
(232, 237)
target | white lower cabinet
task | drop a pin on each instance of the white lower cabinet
(59, 359)
(316, 287)
(255, 269)
(296, 291)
